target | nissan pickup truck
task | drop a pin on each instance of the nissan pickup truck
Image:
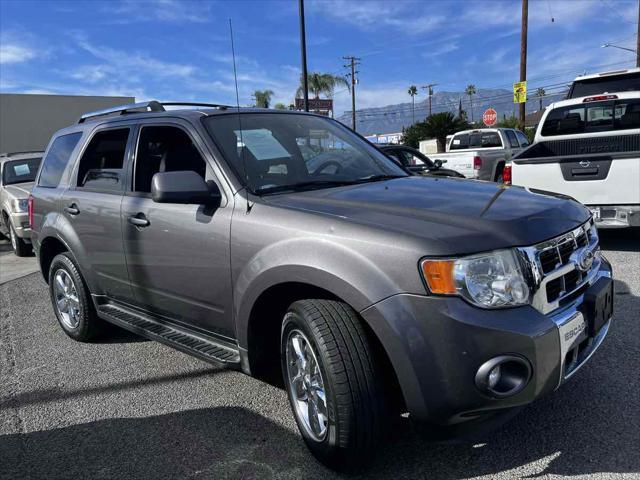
(588, 148)
(17, 173)
(482, 154)
(367, 293)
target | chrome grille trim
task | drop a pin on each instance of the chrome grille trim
(540, 280)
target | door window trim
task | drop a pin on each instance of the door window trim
(73, 180)
(130, 177)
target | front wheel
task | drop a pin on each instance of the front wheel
(20, 247)
(329, 369)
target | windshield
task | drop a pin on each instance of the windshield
(282, 152)
(594, 86)
(20, 171)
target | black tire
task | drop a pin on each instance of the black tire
(354, 387)
(20, 247)
(89, 325)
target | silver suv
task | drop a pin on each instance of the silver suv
(17, 173)
(284, 245)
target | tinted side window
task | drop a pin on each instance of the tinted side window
(513, 141)
(56, 159)
(101, 165)
(459, 142)
(524, 141)
(165, 149)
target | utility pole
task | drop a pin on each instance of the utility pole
(303, 48)
(523, 55)
(430, 90)
(353, 61)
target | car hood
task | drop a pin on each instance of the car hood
(453, 215)
(19, 190)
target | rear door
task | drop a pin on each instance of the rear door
(590, 152)
(91, 208)
(179, 265)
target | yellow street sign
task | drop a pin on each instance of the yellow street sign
(520, 92)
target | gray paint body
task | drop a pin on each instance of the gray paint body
(362, 243)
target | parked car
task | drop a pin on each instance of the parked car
(370, 292)
(17, 173)
(606, 82)
(482, 153)
(414, 161)
(589, 148)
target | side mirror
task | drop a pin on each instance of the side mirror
(185, 187)
(438, 163)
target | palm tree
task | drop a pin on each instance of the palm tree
(262, 98)
(540, 93)
(413, 91)
(439, 125)
(471, 90)
(321, 83)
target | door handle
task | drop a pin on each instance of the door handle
(139, 220)
(72, 209)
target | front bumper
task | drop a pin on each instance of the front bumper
(20, 222)
(437, 344)
(616, 216)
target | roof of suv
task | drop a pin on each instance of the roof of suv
(606, 74)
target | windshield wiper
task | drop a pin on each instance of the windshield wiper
(377, 178)
(296, 187)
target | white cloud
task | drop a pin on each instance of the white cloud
(170, 11)
(15, 53)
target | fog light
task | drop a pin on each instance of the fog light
(503, 376)
(494, 376)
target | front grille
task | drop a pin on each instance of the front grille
(556, 272)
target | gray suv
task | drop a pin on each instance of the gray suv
(284, 245)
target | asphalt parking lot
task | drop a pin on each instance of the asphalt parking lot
(130, 408)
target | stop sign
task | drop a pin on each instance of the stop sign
(489, 117)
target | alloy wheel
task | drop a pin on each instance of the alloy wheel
(306, 385)
(66, 299)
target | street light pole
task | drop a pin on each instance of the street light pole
(303, 48)
(523, 55)
(637, 52)
(638, 39)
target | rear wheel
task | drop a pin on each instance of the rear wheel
(71, 300)
(20, 247)
(329, 370)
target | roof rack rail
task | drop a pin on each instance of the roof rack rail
(195, 104)
(152, 106)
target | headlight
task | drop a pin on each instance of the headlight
(20, 206)
(491, 280)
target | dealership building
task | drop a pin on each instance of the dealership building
(28, 121)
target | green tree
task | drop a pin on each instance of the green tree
(510, 122)
(439, 125)
(280, 106)
(471, 91)
(413, 91)
(262, 98)
(540, 93)
(321, 83)
(413, 135)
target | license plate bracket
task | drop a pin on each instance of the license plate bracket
(598, 304)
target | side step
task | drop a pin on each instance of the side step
(202, 347)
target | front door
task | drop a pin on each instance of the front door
(92, 209)
(177, 255)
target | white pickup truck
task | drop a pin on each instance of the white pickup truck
(482, 153)
(588, 148)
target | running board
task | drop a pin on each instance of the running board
(202, 347)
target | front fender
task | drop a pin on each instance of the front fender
(342, 271)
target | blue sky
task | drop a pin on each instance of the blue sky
(180, 50)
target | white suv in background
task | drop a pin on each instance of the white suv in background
(589, 148)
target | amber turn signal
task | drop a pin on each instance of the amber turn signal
(439, 276)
